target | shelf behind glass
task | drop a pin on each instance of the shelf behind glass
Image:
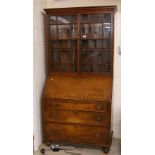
(63, 60)
(95, 60)
(64, 44)
(95, 43)
(63, 19)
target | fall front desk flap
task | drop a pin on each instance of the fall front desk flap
(98, 88)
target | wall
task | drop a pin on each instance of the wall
(117, 59)
(117, 79)
(38, 69)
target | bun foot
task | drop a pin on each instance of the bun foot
(106, 150)
(42, 151)
(47, 143)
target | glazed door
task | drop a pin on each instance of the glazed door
(81, 43)
(63, 43)
(96, 45)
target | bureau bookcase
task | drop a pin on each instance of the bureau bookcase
(77, 96)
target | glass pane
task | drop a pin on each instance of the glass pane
(84, 44)
(85, 31)
(66, 19)
(73, 44)
(107, 25)
(67, 44)
(64, 44)
(54, 44)
(63, 60)
(107, 18)
(84, 18)
(73, 19)
(96, 31)
(107, 30)
(63, 19)
(95, 61)
(106, 43)
(93, 43)
(73, 28)
(53, 32)
(95, 18)
(106, 60)
(98, 44)
(64, 31)
(53, 19)
(91, 61)
(91, 18)
(91, 31)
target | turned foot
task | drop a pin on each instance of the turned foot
(106, 150)
(42, 151)
(47, 143)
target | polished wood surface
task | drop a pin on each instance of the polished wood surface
(57, 131)
(75, 10)
(78, 117)
(75, 105)
(79, 88)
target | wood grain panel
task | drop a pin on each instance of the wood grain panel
(75, 10)
(84, 134)
(76, 117)
(75, 105)
(97, 88)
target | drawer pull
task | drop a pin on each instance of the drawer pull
(54, 103)
(54, 115)
(97, 135)
(99, 118)
(98, 106)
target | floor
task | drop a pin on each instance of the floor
(72, 150)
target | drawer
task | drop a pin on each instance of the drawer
(85, 134)
(75, 105)
(79, 117)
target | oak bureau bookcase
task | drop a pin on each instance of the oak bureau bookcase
(77, 96)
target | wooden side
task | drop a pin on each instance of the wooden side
(94, 88)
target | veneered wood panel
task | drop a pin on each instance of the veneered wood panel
(75, 10)
(78, 117)
(97, 135)
(97, 88)
(76, 105)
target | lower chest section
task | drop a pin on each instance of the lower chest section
(77, 121)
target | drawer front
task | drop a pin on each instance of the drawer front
(85, 134)
(75, 105)
(89, 118)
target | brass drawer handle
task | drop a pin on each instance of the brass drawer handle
(97, 135)
(54, 115)
(99, 118)
(98, 106)
(54, 103)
